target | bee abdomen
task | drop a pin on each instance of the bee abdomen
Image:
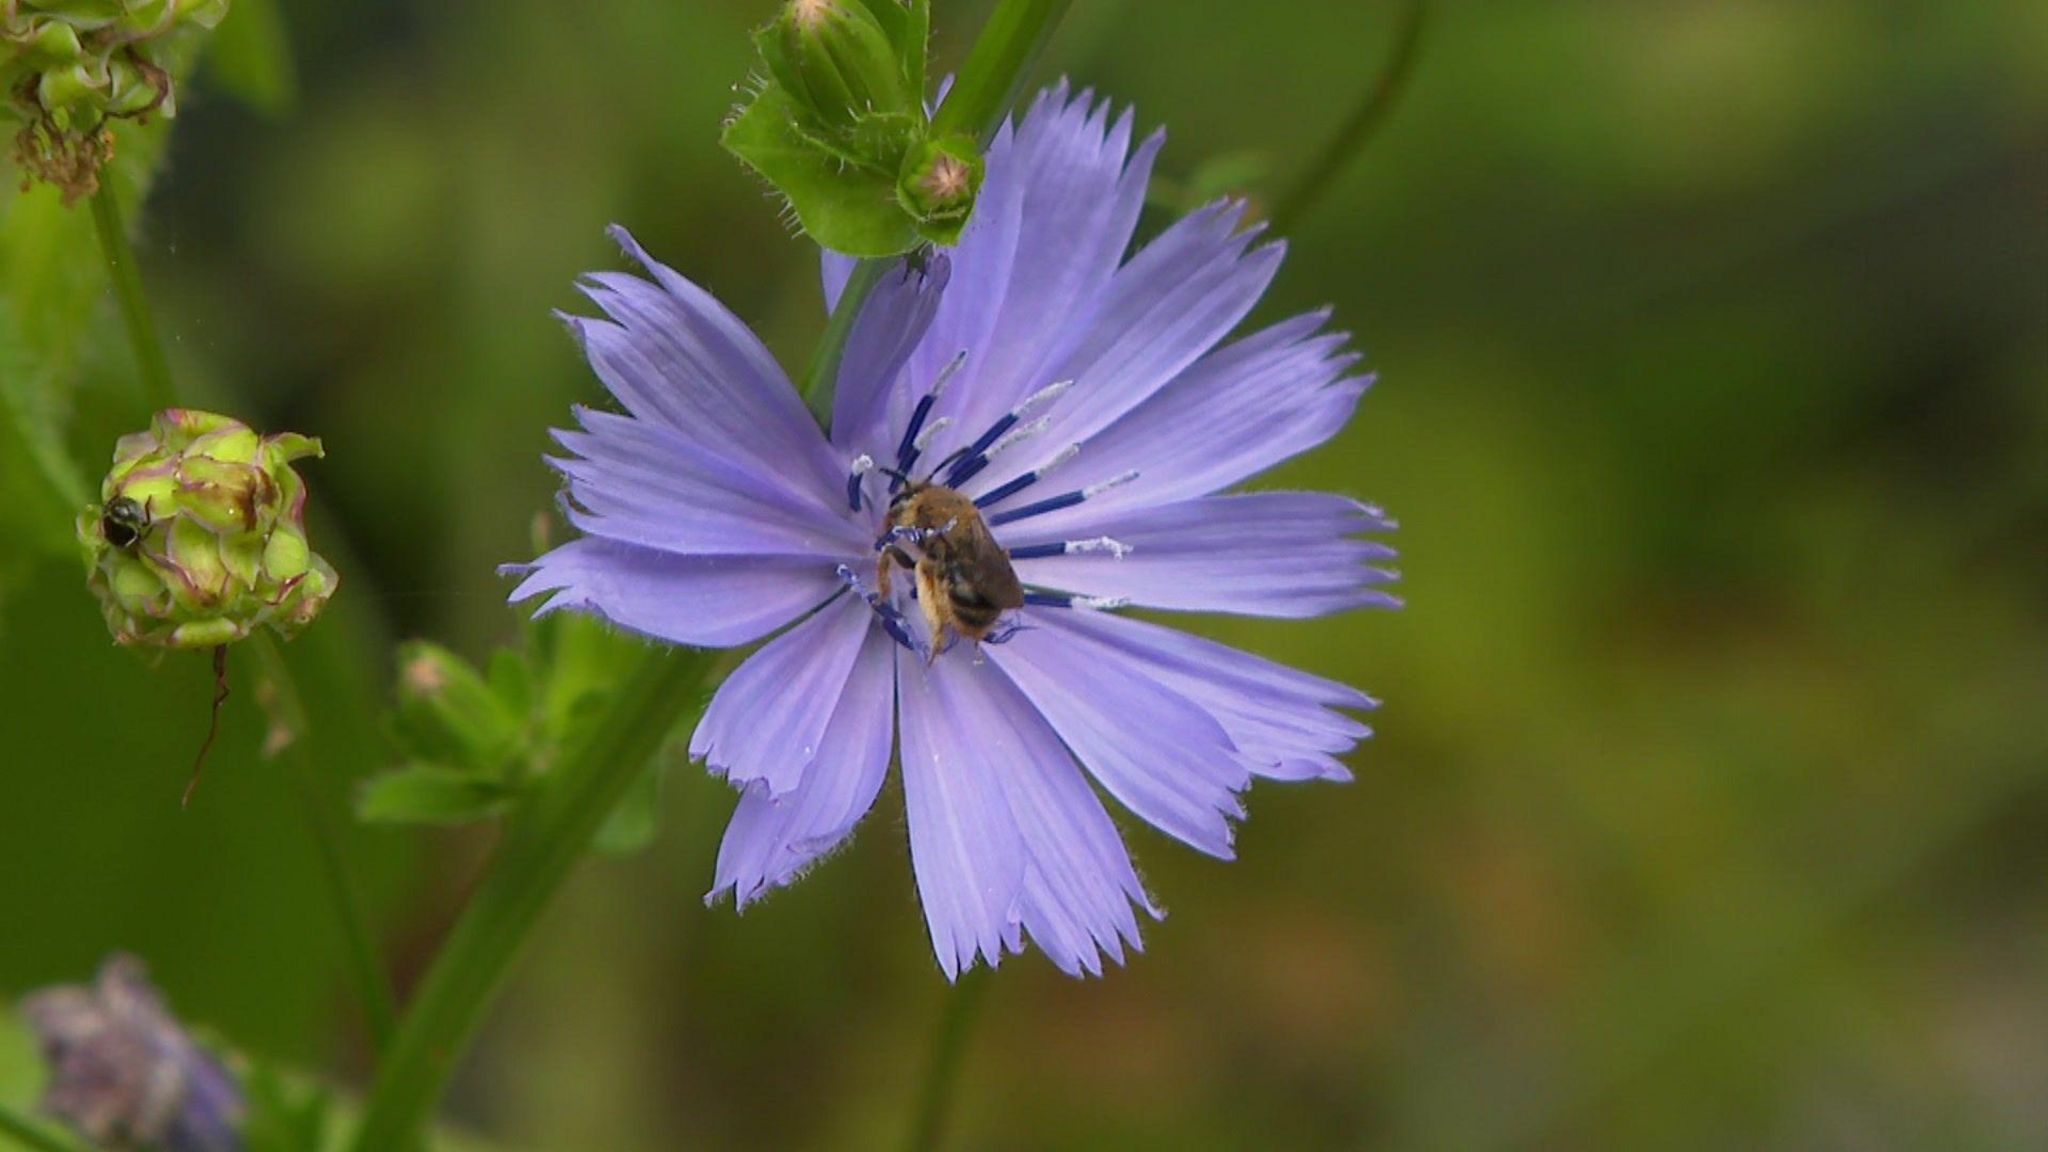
(975, 612)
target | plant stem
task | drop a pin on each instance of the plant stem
(821, 379)
(1365, 120)
(288, 711)
(372, 986)
(544, 838)
(997, 66)
(26, 1133)
(956, 1025)
(127, 278)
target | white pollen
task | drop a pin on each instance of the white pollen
(1117, 481)
(947, 373)
(931, 431)
(1059, 458)
(1042, 397)
(1019, 434)
(1101, 603)
(1115, 548)
(862, 465)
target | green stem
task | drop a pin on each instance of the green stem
(821, 379)
(372, 986)
(1365, 120)
(956, 1025)
(544, 838)
(127, 278)
(33, 1136)
(288, 710)
(998, 65)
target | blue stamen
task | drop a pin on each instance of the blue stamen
(978, 454)
(892, 620)
(1010, 488)
(1055, 503)
(906, 449)
(862, 465)
(1116, 548)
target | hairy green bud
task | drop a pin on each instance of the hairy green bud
(836, 63)
(940, 178)
(200, 534)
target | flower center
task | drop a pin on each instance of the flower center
(905, 522)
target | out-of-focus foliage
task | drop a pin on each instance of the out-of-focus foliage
(1706, 806)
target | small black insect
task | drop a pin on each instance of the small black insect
(123, 522)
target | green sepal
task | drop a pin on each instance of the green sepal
(848, 209)
(432, 794)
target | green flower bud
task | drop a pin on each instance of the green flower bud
(448, 714)
(200, 534)
(937, 186)
(69, 66)
(836, 63)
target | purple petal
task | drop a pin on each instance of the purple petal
(675, 356)
(964, 842)
(835, 270)
(1234, 413)
(896, 316)
(1161, 312)
(633, 481)
(1287, 722)
(1159, 754)
(1080, 886)
(1077, 884)
(1287, 554)
(767, 721)
(1080, 188)
(710, 601)
(772, 840)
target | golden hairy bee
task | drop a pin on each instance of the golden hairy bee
(964, 578)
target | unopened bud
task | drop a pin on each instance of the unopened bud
(939, 181)
(200, 535)
(447, 713)
(836, 63)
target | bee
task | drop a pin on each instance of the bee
(964, 578)
(123, 522)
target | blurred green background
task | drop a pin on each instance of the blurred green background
(1709, 807)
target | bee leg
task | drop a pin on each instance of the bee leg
(892, 620)
(902, 534)
(1006, 633)
(932, 599)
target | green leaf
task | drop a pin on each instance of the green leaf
(845, 208)
(285, 1113)
(632, 825)
(251, 58)
(432, 794)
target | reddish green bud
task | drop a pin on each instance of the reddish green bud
(200, 534)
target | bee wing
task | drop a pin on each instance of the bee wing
(993, 575)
